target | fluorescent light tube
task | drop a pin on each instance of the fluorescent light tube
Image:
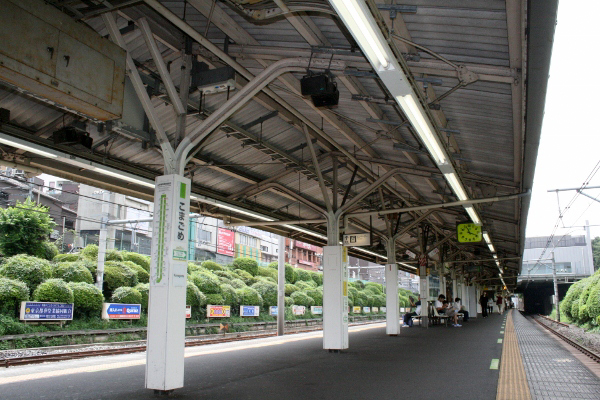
(491, 247)
(362, 26)
(456, 186)
(473, 214)
(416, 115)
(21, 144)
(297, 228)
(122, 176)
(406, 265)
(369, 252)
(486, 236)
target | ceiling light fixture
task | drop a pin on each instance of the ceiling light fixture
(23, 145)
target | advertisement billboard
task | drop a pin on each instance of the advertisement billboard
(218, 311)
(39, 311)
(225, 242)
(316, 310)
(121, 311)
(375, 309)
(366, 309)
(188, 311)
(249, 311)
(356, 309)
(383, 309)
(298, 310)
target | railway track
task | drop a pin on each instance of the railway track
(14, 361)
(594, 356)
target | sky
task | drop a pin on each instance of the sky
(570, 143)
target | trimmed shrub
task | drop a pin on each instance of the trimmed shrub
(288, 301)
(360, 285)
(191, 268)
(113, 255)
(245, 276)
(144, 289)
(317, 277)
(361, 299)
(317, 296)
(350, 303)
(230, 296)
(247, 264)
(115, 276)
(215, 299)
(302, 299)
(139, 259)
(302, 275)
(370, 298)
(593, 302)
(72, 272)
(53, 290)
(12, 293)
(194, 297)
(49, 250)
(290, 274)
(24, 268)
(303, 285)
(352, 292)
(379, 300)
(289, 289)
(575, 309)
(268, 292)
(572, 294)
(126, 295)
(268, 279)
(212, 266)
(267, 272)
(87, 299)
(237, 283)
(207, 283)
(66, 258)
(275, 265)
(376, 288)
(228, 275)
(90, 252)
(142, 275)
(249, 297)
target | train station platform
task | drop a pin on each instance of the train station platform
(503, 356)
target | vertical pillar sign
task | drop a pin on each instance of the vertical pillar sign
(335, 298)
(392, 326)
(168, 273)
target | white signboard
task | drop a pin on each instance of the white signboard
(357, 239)
(411, 254)
(316, 310)
(366, 309)
(383, 309)
(249, 311)
(188, 311)
(375, 309)
(298, 310)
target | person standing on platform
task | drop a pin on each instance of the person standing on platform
(483, 300)
(499, 304)
(490, 305)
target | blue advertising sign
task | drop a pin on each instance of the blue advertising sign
(273, 311)
(121, 311)
(33, 310)
(249, 311)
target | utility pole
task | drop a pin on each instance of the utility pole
(555, 288)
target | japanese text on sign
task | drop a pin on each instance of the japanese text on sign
(31, 310)
(218, 311)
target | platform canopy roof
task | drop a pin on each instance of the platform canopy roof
(478, 71)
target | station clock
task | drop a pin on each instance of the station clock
(468, 232)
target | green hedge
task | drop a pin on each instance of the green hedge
(352, 292)
(194, 297)
(247, 264)
(142, 275)
(317, 296)
(126, 295)
(593, 303)
(72, 257)
(302, 275)
(28, 269)
(228, 275)
(267, 272)
(249, 297)
(379, 300)
(317, 277)
(50, 250)
(53, 290)
(113, 255)
(289, 289)
(215, 299)
(237, 283)
(245, 276)
(304, 285)
(302, 299)
(268, 292)
(117, 275)
(212, 266)
(230, 296)
(90, 252)
(72, 272)
(288, 301)
(140, 259)
(290, 274)
(207, 283)
(144, 289)
(12, 293)
(87, 299)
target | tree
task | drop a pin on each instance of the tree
(24, 229)
(596, 252)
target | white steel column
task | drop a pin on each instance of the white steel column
(281, 288)
(335, 298)
(392, 326)
(168, 274)
(102, 240)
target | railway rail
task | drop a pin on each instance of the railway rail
(594, 356)
(126, 348)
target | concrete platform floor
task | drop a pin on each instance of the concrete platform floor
(421, 363)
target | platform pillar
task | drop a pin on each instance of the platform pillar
(335, 298)
(168, 275)
(392, 325)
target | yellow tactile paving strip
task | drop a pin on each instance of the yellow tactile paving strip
(512, 384)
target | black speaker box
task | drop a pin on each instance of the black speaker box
(72, 137)
(326, 100)
(315, 85)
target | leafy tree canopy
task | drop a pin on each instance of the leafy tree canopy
(24, 229)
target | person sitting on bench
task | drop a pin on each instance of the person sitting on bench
(459, 309)
(408, 316)
(451, 312)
